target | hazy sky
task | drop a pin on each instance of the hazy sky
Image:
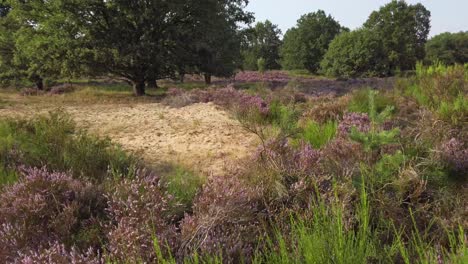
(446, 15)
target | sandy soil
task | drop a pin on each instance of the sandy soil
(201, 136)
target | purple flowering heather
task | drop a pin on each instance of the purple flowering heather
(46, 207)
(359, 120)
(270, 76)
(455, 154)
(139, 210)
(225, 220)
(248, 102)
(58, 254)
(280, 156)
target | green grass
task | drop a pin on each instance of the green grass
(183, 185)
(360, 102)
(55, 142)
(318, 135)
(324, 238)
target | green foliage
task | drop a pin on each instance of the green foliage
(136, 41)
(448, 48)
(261, 65)
(324, 238)
(305, 45)
(318, 135)
(284, 117)
(356, 54)
(360, 102)
(442, 89)
(456, 111)
(376, 137)
(403, 30)
(54, 142)
(373, 140)
(183, 185)
(389, 166)
(262, 41)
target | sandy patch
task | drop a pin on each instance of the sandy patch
(201, 136)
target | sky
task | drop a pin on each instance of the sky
(446, 15)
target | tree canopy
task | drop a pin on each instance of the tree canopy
(404, 30)
(262, 42)
(138, 41)
(448, 48)
(306, 44)
(358, 53)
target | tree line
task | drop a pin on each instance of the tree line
(145, 41)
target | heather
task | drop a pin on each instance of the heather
(367, 177)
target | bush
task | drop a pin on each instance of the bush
(59, 254)
(226, 221)
(141, 221)
(44, 208)
(448, 48)
(54, 141)
(442, 89)
(454, 154)
(355, 54)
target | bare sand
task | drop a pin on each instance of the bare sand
(200, 136)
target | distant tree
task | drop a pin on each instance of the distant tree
(217, 40)
(306, 44)
(448, 48)
(404, 30)
(358, 53)
(262, 41)
(293, 52)
(9, 70)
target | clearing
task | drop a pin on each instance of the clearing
(202, 137)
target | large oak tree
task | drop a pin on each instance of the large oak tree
(138, 41)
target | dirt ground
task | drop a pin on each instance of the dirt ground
(200, 136)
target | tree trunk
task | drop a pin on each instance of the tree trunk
(207, 78)
(152, 84)
(139, 88)
(39, 83)
(181, 77)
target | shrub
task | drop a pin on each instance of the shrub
(58, 254)
(31, 92)
(141, 221)
(442, 89)
(44, 208)
(454, 154)
(357, 53)
(357, 120)
(61, 89)
(332, 109)
(342, 158)
(448, 48)
(226, 221)
(456, 111)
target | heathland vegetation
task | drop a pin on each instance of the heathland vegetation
(343, 173)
